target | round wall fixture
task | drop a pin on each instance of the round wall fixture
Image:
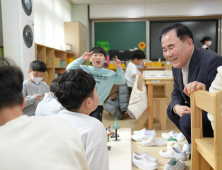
(27, 6)
(28, 36)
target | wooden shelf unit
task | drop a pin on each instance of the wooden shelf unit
(47, 55)
(75, 34)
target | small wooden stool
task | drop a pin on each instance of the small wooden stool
(159, 109)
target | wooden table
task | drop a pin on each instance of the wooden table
(145, 69)
(149, 85)
(120, 154)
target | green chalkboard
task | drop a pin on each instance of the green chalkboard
(120, 35)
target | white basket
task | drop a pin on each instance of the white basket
(158, 74)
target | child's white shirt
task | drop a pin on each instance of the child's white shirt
(94, 137)
(130, 71)
(49, 106)
(40, 143)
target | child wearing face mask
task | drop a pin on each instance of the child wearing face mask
(34, 88)
(206, 42)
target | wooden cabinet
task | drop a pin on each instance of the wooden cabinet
(75, 34)
(56, 60)
(49, 55)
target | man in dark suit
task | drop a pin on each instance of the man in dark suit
(191, 65)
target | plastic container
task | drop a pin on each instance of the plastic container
(62, 63)
(168, 63)
(60, 72)
(112, 66)
(69, 60)
(57, 62)
(154, 64)
(163, 74)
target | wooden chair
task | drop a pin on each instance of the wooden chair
(206, 153)
(159, 108)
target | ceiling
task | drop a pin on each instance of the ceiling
(91, 2)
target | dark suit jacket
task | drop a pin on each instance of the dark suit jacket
(203, 68)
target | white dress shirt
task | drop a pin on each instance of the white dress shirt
(185, 73)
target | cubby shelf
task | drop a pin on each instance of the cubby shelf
(48, 55)
(60, 67)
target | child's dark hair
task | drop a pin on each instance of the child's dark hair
(53, 85)
(11, 79)
(73, 88)
(205, 39)
(138, 54)
(98, 50)
(37, 65)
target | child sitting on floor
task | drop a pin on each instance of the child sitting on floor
(105, 78)
(49, 106)
(34, 88)
(77, 93)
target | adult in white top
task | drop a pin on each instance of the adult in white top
(77, 93)
(131, 71)
(34, 143)
(49, 106)
(206, 42)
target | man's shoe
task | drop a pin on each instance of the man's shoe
(144, 163)
(152, 141)
(175, 164)
(187, 148)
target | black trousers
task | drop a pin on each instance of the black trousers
(183, 123)
(98, 113)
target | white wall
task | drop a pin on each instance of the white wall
(170, 9)
(1, 34)
(49, 18)
(14, 20)
(80, 14)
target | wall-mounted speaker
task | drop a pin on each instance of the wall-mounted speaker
(18, 32)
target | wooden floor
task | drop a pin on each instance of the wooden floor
(108, 120)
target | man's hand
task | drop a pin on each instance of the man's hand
(117, 62)
(182, 110)
(87, 55)
(194, 86)
(37, 97)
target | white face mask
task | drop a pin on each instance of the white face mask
(37, 79)
(209, 43)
